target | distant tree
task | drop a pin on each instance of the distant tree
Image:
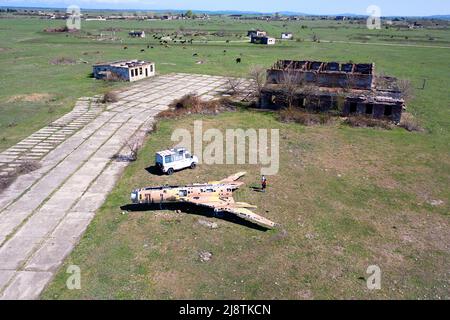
(189, 14)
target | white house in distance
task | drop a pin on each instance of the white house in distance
(287, 36)
(131, 70)
(137, 34)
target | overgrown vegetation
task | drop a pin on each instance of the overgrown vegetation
(410, 123)
(193, 104)
(110, 97)
(361, 121)
(301, 116)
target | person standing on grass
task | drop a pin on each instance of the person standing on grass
(263, 183)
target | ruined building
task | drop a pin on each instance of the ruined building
(347, 88)
(131, 70)
(260, 37)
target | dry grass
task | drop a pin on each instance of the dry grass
(366, 122)
(63, 61)
(32, 97)
(296, 115)
(410, 123)
(193, 104)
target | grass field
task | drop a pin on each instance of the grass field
(30, 84)
(346, 198)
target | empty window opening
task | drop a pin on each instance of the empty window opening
(140, 71)
(369, 109)
(353, 107)
(146, 72)
(388, 111)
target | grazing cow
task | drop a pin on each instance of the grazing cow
(238, 60)
(224, 51)
(195, 55)
(148, 46)
(142, 50)
(125, 48)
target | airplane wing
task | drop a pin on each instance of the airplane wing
(230, 179)
(239, 209)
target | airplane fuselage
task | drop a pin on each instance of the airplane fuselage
(190, 193)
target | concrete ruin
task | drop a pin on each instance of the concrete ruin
(137, 34)
(347, 88)
(287, 36)
(131, 70)
(260, 37)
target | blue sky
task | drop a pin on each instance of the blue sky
(388, 7)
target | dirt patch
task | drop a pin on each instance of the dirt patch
(24, 168)
(63, 61)
(32, 97)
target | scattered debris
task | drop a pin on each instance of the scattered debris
(205, 256)
(436, 203)
(208, 224)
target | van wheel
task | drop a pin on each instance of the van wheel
(193, 165)
(170, 172)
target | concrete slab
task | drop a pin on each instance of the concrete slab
(26, 285)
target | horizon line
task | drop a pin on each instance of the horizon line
(291, 13)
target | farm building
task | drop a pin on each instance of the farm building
(263, 40)
(131, 70)
(287, 36)
(137, 34)
(260, 37)
(348, 88)
(256, 33)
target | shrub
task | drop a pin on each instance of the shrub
(110, 97)
(192, 103)
(366, 122)
(301, 116)
(410, 123)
